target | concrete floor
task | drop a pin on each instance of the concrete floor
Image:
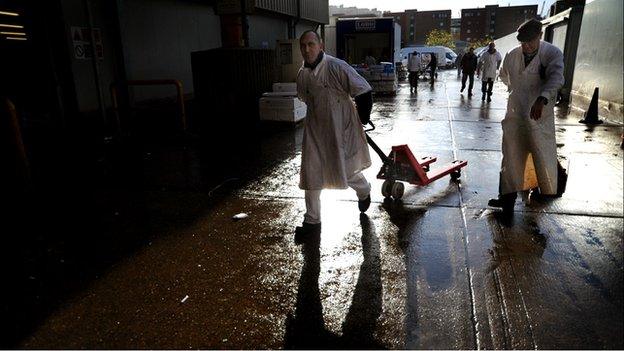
(437, 270)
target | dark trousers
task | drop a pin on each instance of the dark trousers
(469, 76)
(486, 86)
(433, 69)
(413, 79)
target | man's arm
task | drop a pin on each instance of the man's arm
(554, 74)
(480, 63)
(301, 89)
(504, 72)
(352, 82)
(554, 80)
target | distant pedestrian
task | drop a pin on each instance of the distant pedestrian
(433, 65)
(533, 72)
(488, 66)
(413, 66)
(369, 60)
(458, 61)
(468, 67)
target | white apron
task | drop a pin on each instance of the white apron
(334, 144)
(529, 146)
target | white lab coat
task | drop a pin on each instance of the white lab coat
(529, 147)
(334, 144)
(489, 64)
(414, 63)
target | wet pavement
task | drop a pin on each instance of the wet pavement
(435, 270)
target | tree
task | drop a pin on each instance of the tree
(481, 42)
(440, 37)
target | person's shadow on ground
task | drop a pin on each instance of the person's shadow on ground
(306, 329)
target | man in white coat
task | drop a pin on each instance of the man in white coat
(489, 63)
(334, 150)
(533, 72)
(413, 67)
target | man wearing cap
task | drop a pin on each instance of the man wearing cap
(533, 72)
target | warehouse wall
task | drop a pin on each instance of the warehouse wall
(599, 59)
(264, 30)
(158, 37)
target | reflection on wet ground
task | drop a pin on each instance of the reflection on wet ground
(435, 270)
(307, 328)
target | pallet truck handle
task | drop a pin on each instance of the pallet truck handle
(371, 129)
(370, 141)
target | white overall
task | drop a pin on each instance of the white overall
(334, 149)
(529, 146)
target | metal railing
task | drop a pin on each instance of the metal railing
(15, 140)
(175, 82)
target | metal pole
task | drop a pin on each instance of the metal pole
(244, 24)
(94, 61)
(22, 168)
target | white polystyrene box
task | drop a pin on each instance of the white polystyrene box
(281, 102)
(284, 87)
(283, 115)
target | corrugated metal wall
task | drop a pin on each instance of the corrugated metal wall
(228, 84)
(287, 7)
(599, 59)
(315, 10)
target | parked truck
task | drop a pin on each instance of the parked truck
(360, 41)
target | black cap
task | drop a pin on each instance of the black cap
(529, 30)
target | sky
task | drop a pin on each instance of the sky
(424, 5)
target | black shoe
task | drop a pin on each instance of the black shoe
(483, 98)
(506, 202)
(489, 99)
(462, 89)
(306, 231)
(363, 205)
(470, 94)
(536, 194)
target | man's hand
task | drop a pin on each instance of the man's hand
(364, 105)
(536, 109)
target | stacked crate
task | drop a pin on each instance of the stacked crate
(282, 104)
(382, 77)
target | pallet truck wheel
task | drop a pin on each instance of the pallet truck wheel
(386, 188)
(455, 174)
(397, 190)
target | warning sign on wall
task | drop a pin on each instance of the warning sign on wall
(81, 37)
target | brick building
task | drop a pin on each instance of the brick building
(456, 28)
(494, 21)
(415, 25)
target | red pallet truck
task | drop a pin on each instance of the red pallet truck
(401, 165)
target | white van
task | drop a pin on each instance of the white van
(446, 57)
